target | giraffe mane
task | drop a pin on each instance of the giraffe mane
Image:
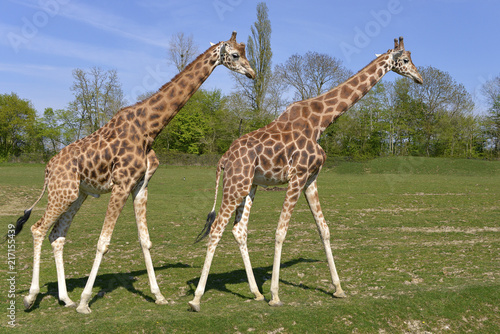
(189, 66)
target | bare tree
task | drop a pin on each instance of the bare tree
(181, 50)
(98, 96)
(312, 74)
(491, 90)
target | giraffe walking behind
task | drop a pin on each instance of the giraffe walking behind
(286, 151)
(117, 158)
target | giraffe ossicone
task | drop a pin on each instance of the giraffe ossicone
(117, 158)
(286, 151)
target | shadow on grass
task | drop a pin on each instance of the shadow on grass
(262, 274)
(106, 284)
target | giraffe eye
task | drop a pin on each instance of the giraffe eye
(235, 56)
(406, 60)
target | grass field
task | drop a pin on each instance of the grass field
(416, 243)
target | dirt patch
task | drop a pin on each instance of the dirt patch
(395, 210)
(14, 200)
(450, 229)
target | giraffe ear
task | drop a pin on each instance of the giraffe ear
(377, 55)
(223, 49)
(212, 44)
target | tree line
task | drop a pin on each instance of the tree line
(395, 118)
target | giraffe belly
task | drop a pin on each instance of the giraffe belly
(96, 190)
(264, 181)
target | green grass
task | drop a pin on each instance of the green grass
(416, 243)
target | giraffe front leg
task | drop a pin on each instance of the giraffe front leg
(313, 200)
(57, 246)
(140, 199)
(200, 289)
(292, 195)
(240, 234)
(115, 206)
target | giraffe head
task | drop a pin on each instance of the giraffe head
(232, 55)
(401, 62)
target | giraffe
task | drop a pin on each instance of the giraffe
(117, 158)
(286, 151)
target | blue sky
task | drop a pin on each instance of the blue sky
(42, 41)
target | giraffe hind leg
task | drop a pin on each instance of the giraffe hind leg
(39, 231)
(215, 234)
(240, 232)
(57, 238)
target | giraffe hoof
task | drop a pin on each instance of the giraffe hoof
(71, 304)
(28, 302)
(275, 303)
(83, 309)
(340, 294)
(161, 301)
(259, 298)
(194, 307)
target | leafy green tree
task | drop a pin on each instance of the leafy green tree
(204, 125)
(440, 96)
(19, 127)
(51, 130)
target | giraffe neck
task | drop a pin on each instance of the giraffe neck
(317, 113)
(343, 97)
(160, 108)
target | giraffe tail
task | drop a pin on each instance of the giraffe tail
(23, 219)
(211, 216)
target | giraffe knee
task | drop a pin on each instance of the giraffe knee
(37, 232)
(146, 243)
(239, 234)
(56, 233)
(57, 243)
(103, 246)
(280, 235)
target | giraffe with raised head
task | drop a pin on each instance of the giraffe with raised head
(287, 151)
(117, 158)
